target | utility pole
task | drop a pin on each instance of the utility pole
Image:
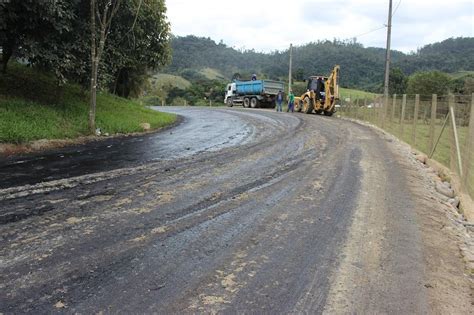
(290, 77)
(387, 58)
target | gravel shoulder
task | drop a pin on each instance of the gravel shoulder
(404, 242)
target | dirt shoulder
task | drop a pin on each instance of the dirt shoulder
(402, 216)
(447, 241)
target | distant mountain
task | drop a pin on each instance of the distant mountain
(361, 67)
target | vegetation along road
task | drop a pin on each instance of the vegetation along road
(229, 211)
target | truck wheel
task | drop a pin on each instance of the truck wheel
(246, 102)
(254, 102)
(307, 106)
(229, 102)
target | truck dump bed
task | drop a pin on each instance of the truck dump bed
(259, 87)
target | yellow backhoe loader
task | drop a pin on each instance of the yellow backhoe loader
(321, 95)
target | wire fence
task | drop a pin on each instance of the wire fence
(442, 127)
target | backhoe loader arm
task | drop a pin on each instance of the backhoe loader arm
(332, 89)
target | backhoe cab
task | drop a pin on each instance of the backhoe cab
(321, 95)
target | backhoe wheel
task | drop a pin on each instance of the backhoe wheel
(307, 105)
(328, 113)
(319, 111)
(229, 102)
(299, 106)
(253, 102)
(246, 102)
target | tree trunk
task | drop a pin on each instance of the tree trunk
(117, 77)
(93, 87)
(96, 51)
(6, 55)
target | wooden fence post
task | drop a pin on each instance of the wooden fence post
(384, 110)
(455, 157)
(374, 111)
(357, 109)
(365, 108)
(468, 156)
(415, 117)
(394, 104)
(402, 116)
(349, 107)
(434, 105)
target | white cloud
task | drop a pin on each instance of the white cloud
(267, 25)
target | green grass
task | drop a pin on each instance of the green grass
(163, 80)
(33, 107)
(212, 74)
(460, 74)
(355, 94)
(404, 132)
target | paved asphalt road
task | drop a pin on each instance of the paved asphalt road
(231, 211)
(197, 133)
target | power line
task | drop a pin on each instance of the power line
(396, 8)
(379, 28)
(371, 31)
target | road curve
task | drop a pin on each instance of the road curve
(296, 214)
(198, 131)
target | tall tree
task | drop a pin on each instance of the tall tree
(24, 25)
(105, 13)
(398, 81)
(428, 83)
(138, 44)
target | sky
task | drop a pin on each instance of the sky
(269, 25)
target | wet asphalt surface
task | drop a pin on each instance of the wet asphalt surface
(231, 211)
(198, 132)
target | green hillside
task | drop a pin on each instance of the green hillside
(161, 80)
(212, 74)
(355, 94)
(462, 74)
(361, 67)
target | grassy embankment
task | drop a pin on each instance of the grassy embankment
(32, 107)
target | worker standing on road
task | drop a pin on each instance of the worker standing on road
(279, 100)
(291, 102)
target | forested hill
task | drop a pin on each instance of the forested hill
(361, 67)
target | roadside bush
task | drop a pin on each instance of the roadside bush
(179, 101)
(428, 83)
(151, 101)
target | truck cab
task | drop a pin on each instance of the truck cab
(231, 91)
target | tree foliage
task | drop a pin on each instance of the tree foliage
(139, 44)
(398, 81)
(26, 24)
(361, 68)
(427, 83)
(55, 35)
(199, 93)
